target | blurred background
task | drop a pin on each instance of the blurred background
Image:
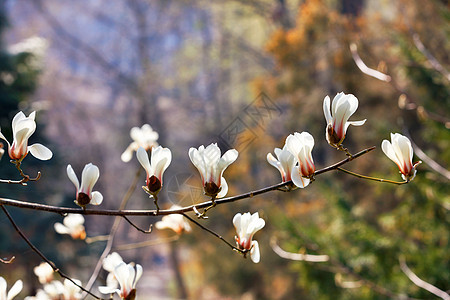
(244, 74)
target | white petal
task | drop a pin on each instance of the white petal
(3, 138)
(228, 158)
(387, 148)
(97, 198)
(142, 157)
(73, 220)
(224, 188)
(160, 161)
(237, 222)
(139, 271)
(327, 109)
(73, 177)
(15, 289)
(107, 289)
(127, 155)
(198, 161)
(61, 229)
(3, 287)
(274, 162)
(18, 117)
(293, 145)
(298, 180)
(254, 252)
(40, 152)
(89, 177)
(111, 261)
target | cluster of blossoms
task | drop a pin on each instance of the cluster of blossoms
(54, 289)
(122, 277)
(294, 162)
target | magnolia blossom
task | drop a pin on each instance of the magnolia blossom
(155, 167)
(400, 151)
(127, 276)
(110, 262)
(300, 145)
(14, 291)
(211, 167)
(175, 222)
(144, 137)
(23, 127)
(89, 177)
(44, 271)
(285, 162)
(73, 225)
(246, 226)
(55, 290)
(337, 115)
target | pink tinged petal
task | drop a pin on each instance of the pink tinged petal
(73, 177)
(15, 290)
(40, 152)
(89, 177)
(142, 157)
(161, 159)
(122, 273)
(254, 252)
(340, 118)
(403, 148)
(327, 110)
(139, 272)
(224, 189)
(297, 179)
(97, 198)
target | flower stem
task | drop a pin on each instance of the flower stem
(370, 178)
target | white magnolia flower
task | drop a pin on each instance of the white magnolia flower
(246, 226)
(176, 222)
(14, 291)
(44, 271)
(73, 225)
(143, 137)
(400, 151)
(337, 115)
(127, 276)
(23, 127)
(285, 162)
(155, 167)
(40, 295)
(110, 262)
(300, 145)
(89, 177)
(211, 167)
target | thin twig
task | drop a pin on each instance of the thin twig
(364, 68)
(420, 283)
(214, 233)
(38, 252)
(371, 178)
(296, 256)
(147, 243)
(7, 261)
(138, 228)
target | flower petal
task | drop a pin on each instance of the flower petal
(142, 157)
(73, 177)
(40, 152)
(327, 109)
(224, 188)
(15, 289)
(61, 229)
(89, 177)
(107, 289)
(139, 271)
(97, 198)
(254, 252)
(298, 180)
